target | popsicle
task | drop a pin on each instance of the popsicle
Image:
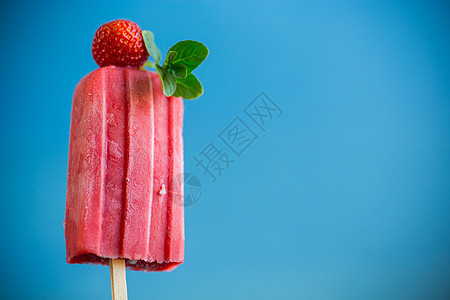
(124, 203)
(125, 187)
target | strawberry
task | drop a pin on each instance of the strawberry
(119, 43)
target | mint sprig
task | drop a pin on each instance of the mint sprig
(175, 73)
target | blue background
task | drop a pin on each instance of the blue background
(345, 196)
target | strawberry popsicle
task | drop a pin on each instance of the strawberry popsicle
(124, 193)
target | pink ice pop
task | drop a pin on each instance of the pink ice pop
(125, 187)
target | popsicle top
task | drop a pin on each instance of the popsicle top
(122, 43)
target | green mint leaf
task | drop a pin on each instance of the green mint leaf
(152, 49)
(169, 83)
(169, 58)
(188, 88)
(188, 53)
(177, 71)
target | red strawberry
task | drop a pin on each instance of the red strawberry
(119, 43)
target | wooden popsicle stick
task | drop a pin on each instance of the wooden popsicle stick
(118, 279)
